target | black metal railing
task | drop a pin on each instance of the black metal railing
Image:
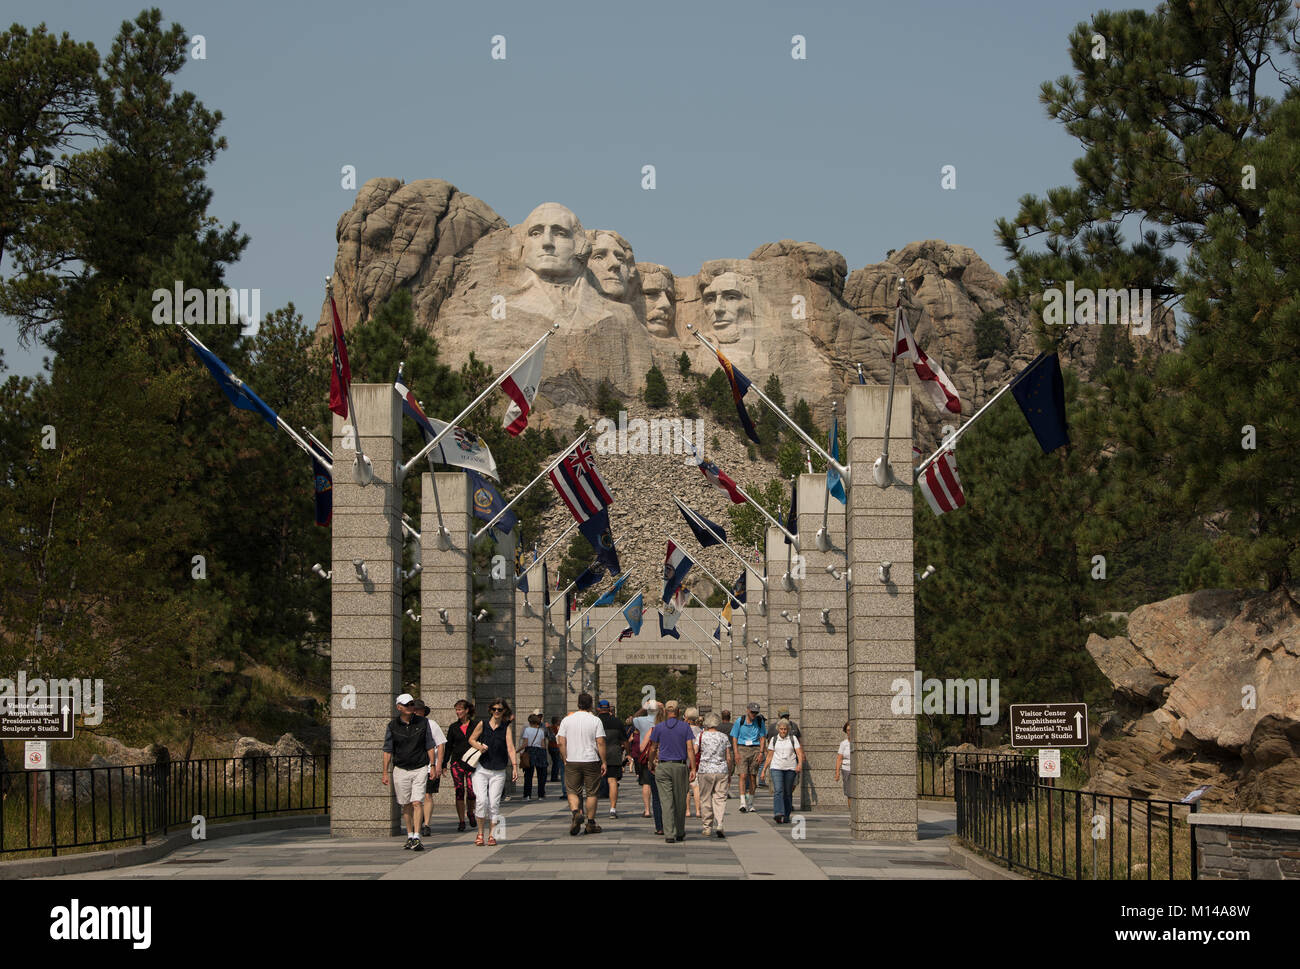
(934, 768)
(46, 812)
(1006, 811)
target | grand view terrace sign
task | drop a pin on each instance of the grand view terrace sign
(1049, 725)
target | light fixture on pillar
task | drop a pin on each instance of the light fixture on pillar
(444, 538)
(884, 572)
(363, 472)
(414, 570)
(321, 572)
(826, 617)
(785, 614)
(787, 583)
(443, 616)
(762, 607)
(789, 645)
(482, 614)
(846, 574)
(922, 576)
(414, 617)
(823, 540)
(363, 574)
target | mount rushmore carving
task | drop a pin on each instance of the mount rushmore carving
(791, 308)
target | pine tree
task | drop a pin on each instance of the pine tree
(656, 388)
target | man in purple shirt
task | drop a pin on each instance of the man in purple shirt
(673, 756)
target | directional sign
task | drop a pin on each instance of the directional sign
(37, 726)
(1049, 725)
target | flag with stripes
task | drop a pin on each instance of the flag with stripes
(341, 371)
(719, 480)
(521, 387)
(934, 381)
(740, 385)
(580, 485)
(940, 485)
(676, 565)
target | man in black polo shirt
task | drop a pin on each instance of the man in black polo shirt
(409, 749)
(616, 751)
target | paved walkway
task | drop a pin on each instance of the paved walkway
(538, 846)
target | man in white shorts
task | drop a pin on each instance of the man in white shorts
(409, 748)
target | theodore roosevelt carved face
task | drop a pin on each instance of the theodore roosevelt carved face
(660, 290)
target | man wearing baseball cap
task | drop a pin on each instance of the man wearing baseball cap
(749, 746)
(410, 750)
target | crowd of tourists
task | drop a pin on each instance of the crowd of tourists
(683, 763)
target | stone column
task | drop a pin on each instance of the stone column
(782, 663)
(554, 681)
(823, 647)
(366, 615)
(881, 634)
(497, 632)
(530, 657)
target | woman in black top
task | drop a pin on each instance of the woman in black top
(458, 734)
(495, 738)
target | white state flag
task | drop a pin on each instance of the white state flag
(521, 387)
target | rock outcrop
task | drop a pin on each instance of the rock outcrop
(1207, 688)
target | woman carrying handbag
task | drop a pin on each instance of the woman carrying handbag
(492, 740)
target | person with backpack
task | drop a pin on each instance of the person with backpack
(785, 763)
(532, 751)
(748, 747)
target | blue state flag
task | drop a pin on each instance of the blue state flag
(236, 391)
(834, 484)
(632, 612)
(608, 598)
(706, 532)
(487, 502)
(1039, 389)
(590, 576)
(595, 529)
(323, 482)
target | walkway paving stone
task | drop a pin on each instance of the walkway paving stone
(538, 846)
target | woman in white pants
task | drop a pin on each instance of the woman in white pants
(495, 738)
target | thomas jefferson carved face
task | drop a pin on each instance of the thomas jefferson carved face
(554, 245)
(660, 302)
(728, 304)
(611, 264)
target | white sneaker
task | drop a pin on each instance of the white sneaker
(613, 813)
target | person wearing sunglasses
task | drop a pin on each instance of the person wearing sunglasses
(494, 739)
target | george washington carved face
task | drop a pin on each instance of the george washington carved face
(555, 246)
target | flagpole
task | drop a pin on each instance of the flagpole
(547, 470)
(279, 421)
(722, 542)
(823, 538)
(706, 609)
(726, 589)
(572, 526)
(362, 470)
(624, 574)
(951, 440)
(763, 512)
(437, 439)
(575, 581)
(699, 627)
(842, 469)
(881, 472)
(321, 447)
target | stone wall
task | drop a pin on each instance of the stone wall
(1241, 846)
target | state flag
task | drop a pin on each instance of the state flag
(834, 483)
(676, 565)
(323, 483)
(938, 388)
(719, 480)
(740, 385)
(341, 370)
(632, 612)
(460, 448)
(1039, 389)
(940, 485)
(236, 391)
(521, 387)
(668, 617)
(707, 533)
(608, 598)
(487, 502)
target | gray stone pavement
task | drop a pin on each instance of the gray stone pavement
(537, 845)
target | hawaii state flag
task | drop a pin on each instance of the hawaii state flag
(521, 387)
(940, 485)
(934, 381)
(740, 385)
(676, 565)
(341, 371)
(583, 491)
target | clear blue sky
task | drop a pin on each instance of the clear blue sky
(749, 145)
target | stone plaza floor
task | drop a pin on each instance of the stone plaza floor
(537, 845)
